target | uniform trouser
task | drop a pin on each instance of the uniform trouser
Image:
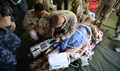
(7, 59)
(117, 29)
(59, 4)
(20, 10)
(103, 10)
(9, 43)
(76, 7)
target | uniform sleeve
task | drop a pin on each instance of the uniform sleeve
(71, 29)
(4, 10)
(47, 15)
(28, 23)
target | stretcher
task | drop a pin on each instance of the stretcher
(83, 52)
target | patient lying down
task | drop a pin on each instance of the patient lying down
(86, 34)
(81, 42)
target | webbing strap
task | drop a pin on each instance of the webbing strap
(88, 40)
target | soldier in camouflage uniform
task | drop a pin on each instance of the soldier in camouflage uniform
(103, 11)
(63, 20)
(9, 43)
(80, 8)
(35, 21)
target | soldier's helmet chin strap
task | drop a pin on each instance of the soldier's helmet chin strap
(16, 1)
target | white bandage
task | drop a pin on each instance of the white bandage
(33, 34)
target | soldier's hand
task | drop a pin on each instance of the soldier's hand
(39, 30)
(13, 26)
(57, 39)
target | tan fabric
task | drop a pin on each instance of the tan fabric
(31, 20)
(80, 8)
(71, 22)
(104, 9)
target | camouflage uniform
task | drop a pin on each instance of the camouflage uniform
(31, 20)
(80, 8)
(70, 23)
(20, 10)
(9, 43)
(4, 10)
(103, 10)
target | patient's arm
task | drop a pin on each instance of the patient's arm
(95, 31)
(72, 50)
